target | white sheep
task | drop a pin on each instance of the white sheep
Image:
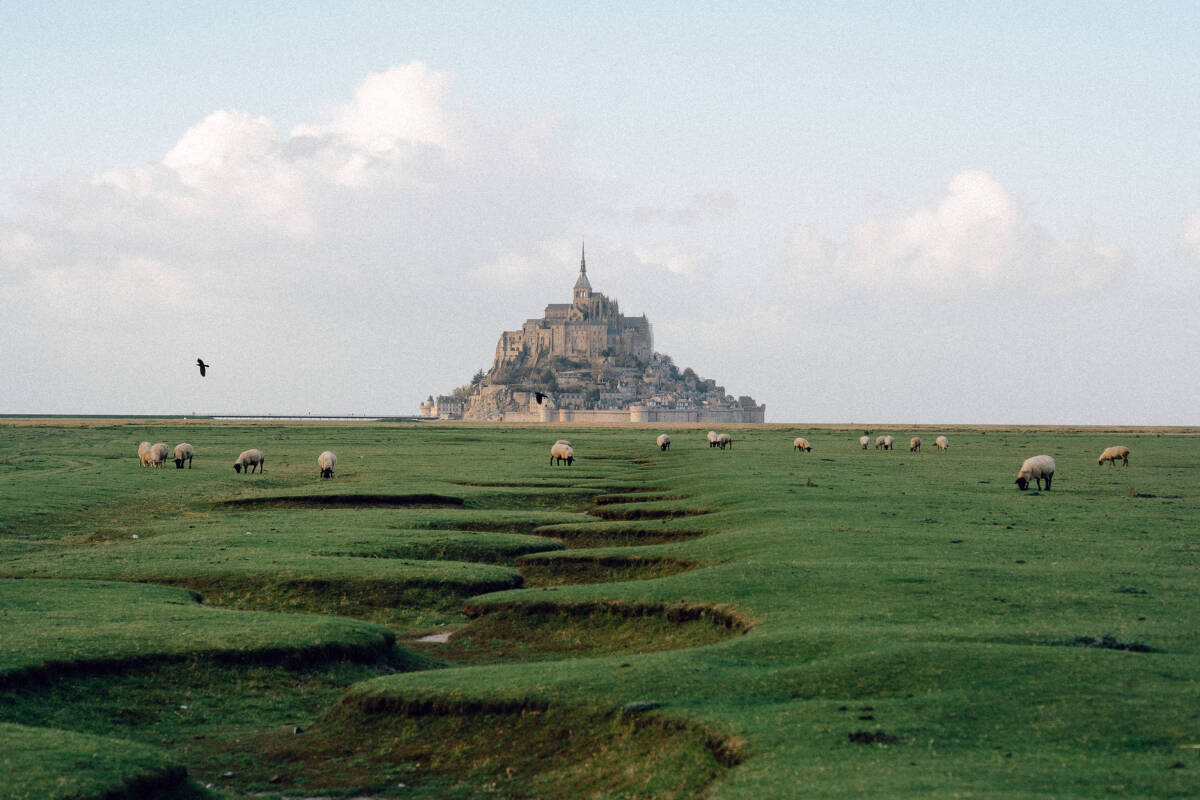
(887, 442)
(1036, 468)
(724, 440)
(712, 438)
(664, 442)
(879, 442)
(184, 452)
(561, 452)
(327, 461)
(249, 460)
(144, 453)
(158, 454)
(1111, 454)
(942, 443)
(865, 441)
(801, 444)
(914, 444)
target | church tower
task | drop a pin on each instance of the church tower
(583, 288)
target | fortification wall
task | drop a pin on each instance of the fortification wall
(636, 414)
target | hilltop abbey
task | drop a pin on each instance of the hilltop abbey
(584, 362)
(589, 328)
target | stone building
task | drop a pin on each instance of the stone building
(587, 329)
(444, 407)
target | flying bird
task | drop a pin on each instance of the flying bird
(200, 363)
(540, 397)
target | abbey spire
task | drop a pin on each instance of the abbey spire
(583, 287)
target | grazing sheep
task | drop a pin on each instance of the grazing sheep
(942, 443)
(914, 444)
(801, 444)
(184, 452)
(886, 442)
(712, 438)
(249, 460)
(664, 442)
(879, 442)
(724, 440)
(1036, 468)
(561, 452)
(327, 461)
(1111, 454)
(144, 453)
(158, 454)
(865, 441)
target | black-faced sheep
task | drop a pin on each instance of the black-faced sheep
(561, 452)
(914, 444)
(184, 452)
(942, 443)
(1036, 468)
(889, 442)
(158, 454)
(712, 438)
(865, 441)
(724, 440)
(144, 453)
(327, 461)
(1112, 454)
(664, 442)
(801, 444)
(249, 460)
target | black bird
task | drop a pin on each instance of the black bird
(200, 363)
(540, 397)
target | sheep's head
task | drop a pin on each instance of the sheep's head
(179, 463)
(1023, 483)
(238, 468)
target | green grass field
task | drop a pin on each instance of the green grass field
(749, 623)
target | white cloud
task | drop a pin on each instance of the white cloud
(392, 112)
(668, 257)
(1190, 240)
(976, 237)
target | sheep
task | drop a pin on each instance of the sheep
(879, 441)
(1036, 468)
(327, 461)
(561, 452)
(712, 438)
(724, 440)
(664, 442)
(914, 444)
(184, 452)
(801, 444)
(158, 454)
(942, 443)
(1111, 454)
(144, 453)
(886, 442)
(248, 460)
(865, 441)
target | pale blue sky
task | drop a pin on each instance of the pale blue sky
(779, 117)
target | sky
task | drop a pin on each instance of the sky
(860, 212)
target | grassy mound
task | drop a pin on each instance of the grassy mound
(49, 764)
(53, 628)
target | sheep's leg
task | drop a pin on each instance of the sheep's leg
(1048, 477)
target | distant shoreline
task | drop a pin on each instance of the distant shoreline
(858, 427)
